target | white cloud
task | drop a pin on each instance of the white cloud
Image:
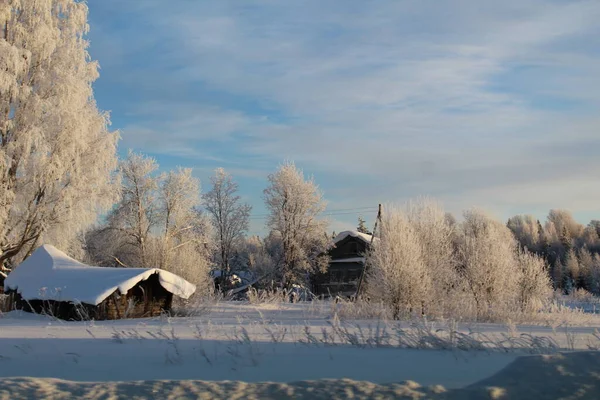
(384, 99)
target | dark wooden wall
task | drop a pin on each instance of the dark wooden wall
(341, 278)
(348, 248)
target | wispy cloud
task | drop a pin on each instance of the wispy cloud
(381, 100)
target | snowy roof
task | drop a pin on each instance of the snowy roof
(50, 274)
(343, 235)
(348, 260)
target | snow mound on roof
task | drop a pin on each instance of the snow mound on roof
(343, 235)
(49, 274)
(348, 260)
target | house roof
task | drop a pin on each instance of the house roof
(49, 274)
(348, 260)
(362, 236)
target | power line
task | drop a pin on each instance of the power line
(333, 212)
(345, 213)
(353, 209)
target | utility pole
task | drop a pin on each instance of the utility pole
(364, 271)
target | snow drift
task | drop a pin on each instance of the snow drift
(49, 274)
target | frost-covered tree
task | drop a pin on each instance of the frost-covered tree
(552, 233)
(397, 273)
(189, 251)
(362, 226)
(590, 239)
(263, 257)
(157, 223)
(564, 221)
(179, 197)
(56, 153)
(594, 278)
(435, 233)
(558, 274)
(555, 249)
(595, 224)
(450, 219)
(525, 228)
(137, 212)
(543, 244)
(586, 264)
(230, 217)
(566, 240)
(534, 287)
(295, 205)
(572, 269)
(106, 247)
(486, 250)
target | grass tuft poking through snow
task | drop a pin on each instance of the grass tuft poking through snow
(278, 342)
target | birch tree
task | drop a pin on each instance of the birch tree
(56, 153)
(157, 223)
(137, 212)
(188, 250)
(230, 217)
(295, 206)
(179, 197)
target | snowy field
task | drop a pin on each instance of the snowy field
(278, 343)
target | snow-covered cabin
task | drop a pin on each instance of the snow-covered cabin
(50, 281)
(347, 261)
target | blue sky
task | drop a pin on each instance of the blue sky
(478, 103)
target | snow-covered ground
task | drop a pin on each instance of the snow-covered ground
(271, 343)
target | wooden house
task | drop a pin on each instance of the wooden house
(346, 265)
(2, 278)
(51, 282)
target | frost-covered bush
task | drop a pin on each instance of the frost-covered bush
(422, 263)
(435, 233)
(397, 272)
(535, 288)
(262, 257)
(486, 262)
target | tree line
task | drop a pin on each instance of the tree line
(163, 220)
(425, 261)
(570, 249)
